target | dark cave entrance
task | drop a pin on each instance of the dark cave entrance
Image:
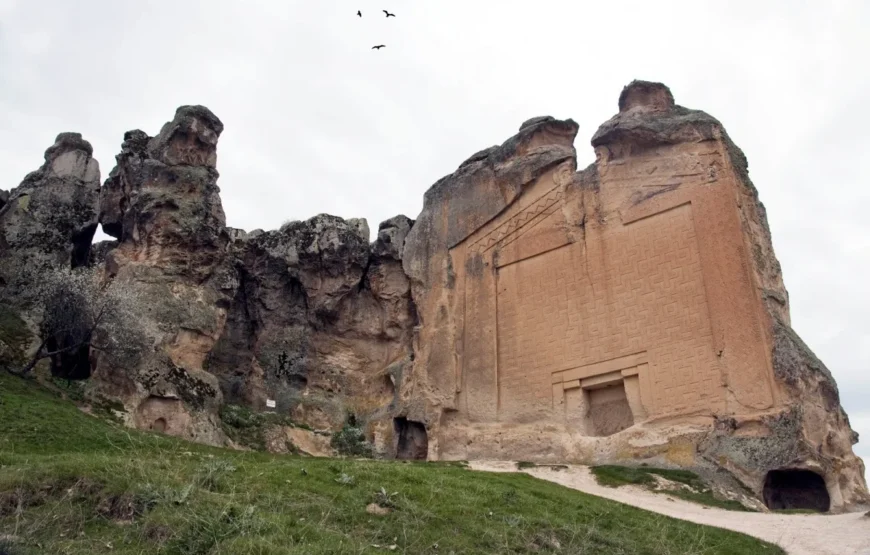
(74, 364)
(412, 441)
(796, 489)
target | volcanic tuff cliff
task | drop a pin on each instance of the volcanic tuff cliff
(631, 311)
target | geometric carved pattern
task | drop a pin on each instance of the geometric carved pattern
(641, 289)
(511, 229)
(590, 371)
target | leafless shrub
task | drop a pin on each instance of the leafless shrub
(81, 312)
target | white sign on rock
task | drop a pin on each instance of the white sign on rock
(270, 403)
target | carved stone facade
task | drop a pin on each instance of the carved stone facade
(623, 312)
(630, 312)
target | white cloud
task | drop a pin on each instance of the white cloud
(318, 122)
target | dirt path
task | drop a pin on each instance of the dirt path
(847, 534)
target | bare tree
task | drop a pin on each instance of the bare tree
(81, 313)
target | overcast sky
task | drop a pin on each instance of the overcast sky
(317, 122)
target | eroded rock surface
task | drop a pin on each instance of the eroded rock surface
(632, 311)
(47, 222)
(162, 203)
(320, 321)
(311, 316)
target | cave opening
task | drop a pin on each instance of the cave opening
(159, 425)
(796, 489)
(412, 441)
(71, 365)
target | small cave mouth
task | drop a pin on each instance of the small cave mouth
(74, 364)
(297, 381)
(796, 489)
(159, 425)
(412, 441)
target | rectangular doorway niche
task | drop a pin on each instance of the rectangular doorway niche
(412, 441)
(604, 398)
(609, 411)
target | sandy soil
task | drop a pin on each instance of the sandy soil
(846, 534)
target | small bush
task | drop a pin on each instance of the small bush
(248, 428)
(525, 464)
(386, 499)
(240, 418)
(351, 441)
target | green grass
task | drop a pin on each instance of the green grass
(615, 476)
(74, 484)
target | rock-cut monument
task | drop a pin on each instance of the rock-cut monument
(629, 312)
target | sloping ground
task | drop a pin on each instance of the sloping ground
(799, 534)
(74, 484)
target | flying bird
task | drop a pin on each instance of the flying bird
(378, 46)
(389, 14)
(359, 13)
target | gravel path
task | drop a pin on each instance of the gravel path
(845, 534)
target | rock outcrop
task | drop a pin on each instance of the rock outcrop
(320, 322)
(47, 222)
(633, 311)
(311, 316)
(162, 203)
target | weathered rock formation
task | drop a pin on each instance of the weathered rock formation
(162, 203)
(47, 222)
(310, 317)
(320, 323)
(630, 312)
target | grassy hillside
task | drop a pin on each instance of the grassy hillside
(75, 484)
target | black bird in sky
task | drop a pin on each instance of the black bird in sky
(359, 13)
(378, 47)
(389, 14)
